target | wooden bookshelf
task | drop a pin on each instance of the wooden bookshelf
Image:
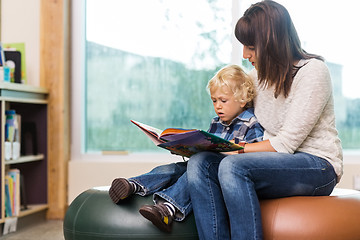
(31, 209)
(32, 105)
(24, 159)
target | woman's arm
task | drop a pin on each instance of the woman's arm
(263, 146)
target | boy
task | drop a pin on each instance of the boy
(232, 92)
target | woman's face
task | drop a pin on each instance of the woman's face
(249, 53)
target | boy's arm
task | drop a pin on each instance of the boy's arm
(254, 133)
(253, 141)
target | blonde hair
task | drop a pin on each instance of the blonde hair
(237, 81)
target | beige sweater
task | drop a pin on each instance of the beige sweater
(305, 120)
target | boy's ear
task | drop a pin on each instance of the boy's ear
(243, 104)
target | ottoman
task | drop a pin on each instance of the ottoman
(92, 215)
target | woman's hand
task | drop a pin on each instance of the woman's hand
(263, 146)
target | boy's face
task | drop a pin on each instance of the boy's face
(226, 107)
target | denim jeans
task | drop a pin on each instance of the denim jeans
(225, 189)
(167, 182)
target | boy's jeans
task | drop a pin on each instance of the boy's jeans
(225, 189)
(167, 182)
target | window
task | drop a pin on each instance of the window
(151, 66)
(150, 60)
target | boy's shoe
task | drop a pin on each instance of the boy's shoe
(120, 189)
(159, 215)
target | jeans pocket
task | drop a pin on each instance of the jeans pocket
(326, 189)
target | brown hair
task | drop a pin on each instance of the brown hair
(268, 27)
(237, 81)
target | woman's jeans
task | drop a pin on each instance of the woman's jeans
(167, 182)
(225, 189)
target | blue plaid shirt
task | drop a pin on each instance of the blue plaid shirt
(244, 127)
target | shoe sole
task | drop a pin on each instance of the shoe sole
(155, 219)
(119, 190)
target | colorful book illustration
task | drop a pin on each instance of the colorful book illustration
(186, 142)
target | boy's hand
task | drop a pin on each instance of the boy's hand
(233, 152)
(238, 151)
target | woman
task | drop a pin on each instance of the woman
(301, 153)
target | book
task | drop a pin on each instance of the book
(2, 56)
(20, 48)
(186, 142)
(12, 135)
(14, 174)
(8, 193)
(2, 64)
(13, 61)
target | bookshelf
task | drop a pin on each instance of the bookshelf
(31, 103)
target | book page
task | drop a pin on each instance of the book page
(172, 134)
(151, 132)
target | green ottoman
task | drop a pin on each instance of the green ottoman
(93, 216)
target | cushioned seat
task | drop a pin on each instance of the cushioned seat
(92, 215)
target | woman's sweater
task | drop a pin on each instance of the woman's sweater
(305, 120)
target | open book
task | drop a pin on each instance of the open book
(186, 142)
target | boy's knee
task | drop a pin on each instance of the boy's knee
(193, 167)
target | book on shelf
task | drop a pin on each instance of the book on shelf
(8, 208)
(186, 142)
(15, 54)
(12, 192)
(3, 68)
(12, 135)
(15, 175)
(2, 56)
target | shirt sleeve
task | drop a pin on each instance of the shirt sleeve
(254, 133)
(250, 131)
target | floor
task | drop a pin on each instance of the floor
(49, 230)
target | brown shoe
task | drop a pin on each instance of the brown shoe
(159, 215)
(120, 189)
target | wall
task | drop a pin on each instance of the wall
(20, 22)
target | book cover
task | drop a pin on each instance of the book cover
(186, 142)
